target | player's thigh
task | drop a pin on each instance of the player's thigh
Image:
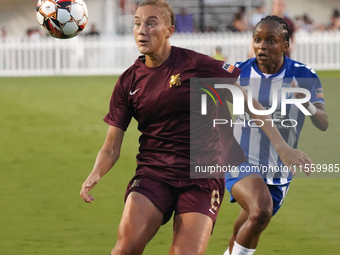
(252, 194)
(238, 173)
(195, 214)
(191, 233)
(140, 221)
(159, 193)
(201, 196)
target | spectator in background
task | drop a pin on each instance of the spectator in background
(33, 34)
(127, 7)
(335, 20)
(218, 54)
(184, 22)
(3, 34)
(307, 23)
(304, 23)
(278, 9)
(240, 22)
(298, 21)
(257, 16)
(93, 31)
(122, 5)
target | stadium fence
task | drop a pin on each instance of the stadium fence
(112, 55)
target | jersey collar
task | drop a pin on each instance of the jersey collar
(284, 66)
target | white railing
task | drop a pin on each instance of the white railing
(320, 50)
(112, 55)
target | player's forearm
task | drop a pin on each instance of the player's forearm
(288, 155)
(268, 128)
(109, 153)
(320, 119)
(105, 160)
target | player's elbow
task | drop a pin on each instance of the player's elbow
(323, 126)
(111, 152)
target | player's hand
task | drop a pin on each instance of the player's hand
(293, 157)
(90, 182)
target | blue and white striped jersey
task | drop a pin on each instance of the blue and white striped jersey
(256, 145)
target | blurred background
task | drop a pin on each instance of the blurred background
(220, 28)
(116, 16)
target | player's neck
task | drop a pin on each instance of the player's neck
(158, 58)
(272, 68)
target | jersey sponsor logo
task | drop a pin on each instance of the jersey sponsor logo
(228, 67)
(175, 80)
(319, 93)
(133, 92)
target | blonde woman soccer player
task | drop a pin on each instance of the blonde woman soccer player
(155, 91)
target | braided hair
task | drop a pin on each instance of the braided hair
(281, 22)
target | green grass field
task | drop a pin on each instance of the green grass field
(51, 130)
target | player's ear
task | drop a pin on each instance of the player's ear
(286, 46)
(171, 30)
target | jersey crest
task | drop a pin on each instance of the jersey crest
(175, 80)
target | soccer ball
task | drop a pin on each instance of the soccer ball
(63, 19)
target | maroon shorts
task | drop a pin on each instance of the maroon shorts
(196, 195)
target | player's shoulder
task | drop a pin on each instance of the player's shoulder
(126, 75)
(180, 50)
(190, 56)
(208, 67)
(246, 68)
(300, 70)
(245, 64)
(130, 73)
(188, 52)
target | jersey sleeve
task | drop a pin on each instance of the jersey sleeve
(119, 113)
(316, 91)
(313, 84)
(212, 68)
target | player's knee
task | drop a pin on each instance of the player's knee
(260, 218)
(176, 250)
(127, 248)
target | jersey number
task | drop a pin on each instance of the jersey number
(284, 193)
(215, 199)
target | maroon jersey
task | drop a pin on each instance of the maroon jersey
(159, 99)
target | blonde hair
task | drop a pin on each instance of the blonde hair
(162, 4)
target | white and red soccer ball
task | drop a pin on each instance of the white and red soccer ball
(62, 18)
